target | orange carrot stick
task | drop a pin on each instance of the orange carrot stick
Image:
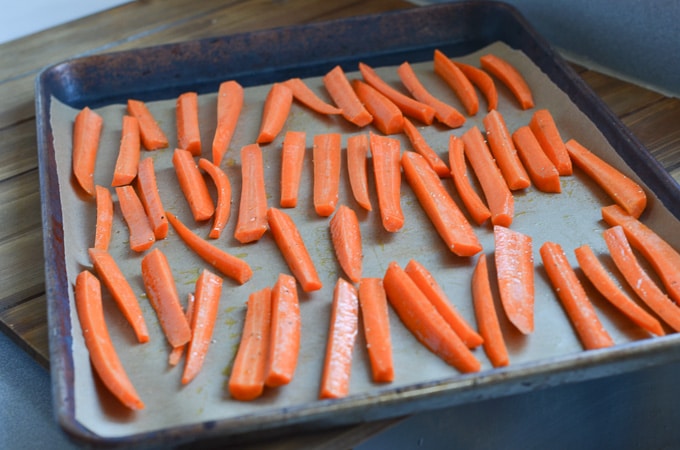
(387, 117)
(542, 171)
(292, 162)
(357, 158)
(422, 319)
(483, 82)
(458, 82)
(623, 190)
(510, 77)
(229, 106)
(104, 222)
(193, 185)
(303, 94)
(246, 381)
(284, 346)
(150, 132)
(474, 205)
(223, 206)
(231, 266)
(503, 150)
(346, 239)
(543, 125)
(121, 291)
(514, 260)
(387, 173)
(292, 246)
(421, 146)
(176, 353)
(375, 316)
(141, 234)
(599, 277)
(87, 128)
(327, 155)
(343, 329)
(340, 90)
(188, 133)
(573, 297)
(252, 212)
(426, 282)
(487, 317)
(125, 169)
(275, 112)
(147, 186)
(103, 354)
(162, 294)
(447, 218)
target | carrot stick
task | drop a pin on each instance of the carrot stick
(409, 106)
(125, 169)
(87, 128)
(447, 218)
(193, 185)
(147, 186)
(498, 195)
(387, 173)
(176, 353)
(150, 132)
(231, 266)
(543, 125)
(188, 133)
(246, 381)
(252, 212)
(623, 190)
(421, 146)
(229, 106)
(542, 171)
(327, 155)
(303, 94)
(292, 247)
(487, 317)
(346, 239)
(387, 117)
(443, 112)
(599, 277)
(573, 297)
(638, 279)
(162, 294)
(292, 162)
(223, 206)
(473, 204)
(483, 82)
(104, 222)
(503, 150)
(141, 234)
(375, 317)
(665, 260)
(340, 90)
(343, 329)
(457, 81)
(120, 290)
(426, 282)
(208, 291)
(275, 112)
(103, 354)
(357, 158)
(423, 320)
(510, 77)
(284, 346)
(514, 260)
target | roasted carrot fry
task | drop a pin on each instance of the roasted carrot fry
(327, 155)
(193, 185)
(87, 129)
(125, 169)
(229, 106)
(149, 195)
(357, 167)
(387, 117)
(104, 222)
(150, 132)
(510, 77)
(141, 234)
(176, 353)
(421, 146)
(375, 317)
(542, 171)
(457, 81)
(284, 346)
(543, 125)
(387, 173)
(252, 213)
(340, 90)
(483, 82)
(188, 133)
(223, 206)
(473, 203)
(504, 152)
(292, 162)
(275, 112)
(346, 239)
(303, 94)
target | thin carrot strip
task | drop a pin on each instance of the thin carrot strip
(387, 117)
(188, 132)
(229, 106)
(292, 162)
(443, 212)
(357, 167)
(387, 173)
(276, 108)
(340, 90)
(293, 249)
(103, 354)
(125, 169)
(193, 185)
(599, 277)
(150, 132)
(231, 266)
(176, 353)
(510, 77)
(435, 294)
(457, 81)
(87, 128)
(147, 186)
(343, 329)
(422, 319)
(542, 171)
(375, 317)
(303, 94)
(573, 297)
(141, 234)
(246, 381)
(284, 346)
(503, 150)
(252, 212)
(346, 239)
(223, 206)
(473, 203)
(327, 155)
(543, 125)
(483, 82)
(421, 146)
(104, 221)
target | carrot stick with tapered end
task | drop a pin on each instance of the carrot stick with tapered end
(193, 185)
(150, 132)
(104, 222)
(386, 153)
(275, 112)
(346, 239)
(357, 167)
(340, 90)
(188, 131)
(176, 353)
(252, 212)
(473, 203)
(327, 156)
(303, 94)
(87, 128)
(421, 146)
(229, 106)
(483, 82)
(223, 206)
(457, 81)
(284, 346)
(375, 317)
(292, 162)
(147, 186)
(510, 77)
(125, 169)
(548, 135)
(141, 234)
(387, 117)
(504, 152)
(542, 171)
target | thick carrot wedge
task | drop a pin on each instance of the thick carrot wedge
(275, 112)
(386, 152)
(303, 94)
(443, 212)
(623, 190)
(103, 354)
(176, 353)
(457, 81)
(284, 347)
(292, 246)
(87, 128)
(229, 105)
(252, 212)
(426, 282)
(193, 185)
(421, 146)
(246, 381)
(121, 291)
(473, 203)
(503, 150)
(141, 234)
(188, 132)
(327, 155)
(514, 260)
(150, 132)
(387, 117)
(346, 239)
(357, 167)
(510, 77)
(483, 82)
(599, 277)
(375, 317)
(487, 317)
(162, 294)
(422, 319)
(543, 125)
(340, 90)
(542, 171)
(104, 221)
(147, 186)
(125, 169)
(223, 206)
(231, 266)
(343, 329)
(573, 297)
(292, 162)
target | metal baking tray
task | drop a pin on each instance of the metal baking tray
(202, 410)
